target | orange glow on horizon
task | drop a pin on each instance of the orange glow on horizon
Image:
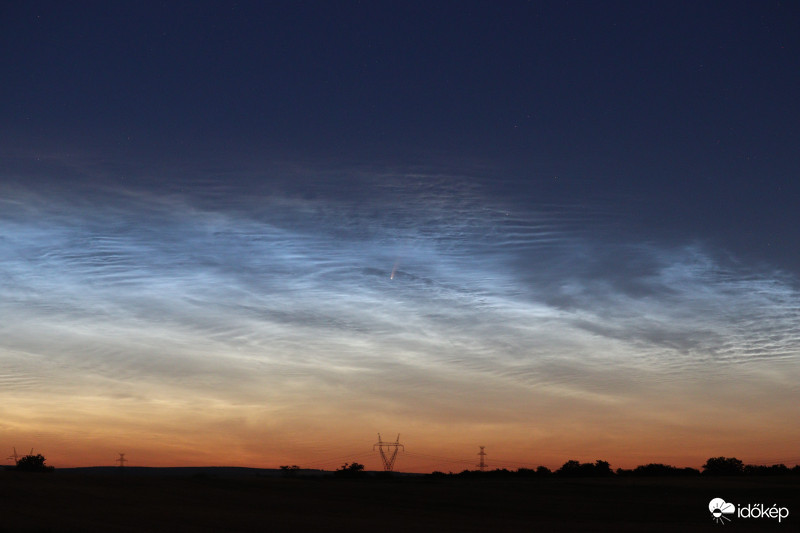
(678, 431)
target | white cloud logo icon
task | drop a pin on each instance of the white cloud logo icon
(719, 508)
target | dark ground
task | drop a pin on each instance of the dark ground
(80, 502)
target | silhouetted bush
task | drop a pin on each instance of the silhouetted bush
(723, 466)
(33, 463)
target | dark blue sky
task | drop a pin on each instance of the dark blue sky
(683, 116)
(277, 219)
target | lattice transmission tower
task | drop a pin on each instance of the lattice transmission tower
(121, 461)
(15, 456)
(482, 464)
(388, 451)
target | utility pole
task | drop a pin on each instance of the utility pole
(388, 452)
(482, 464)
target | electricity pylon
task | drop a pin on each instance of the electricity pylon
(121, 460)
(15, 456)
(482, 464)
(388, 451)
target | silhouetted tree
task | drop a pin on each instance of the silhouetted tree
(289, 471)
(575, 469)
(33, 463)
(653, 469)
(530, 472)
(571, 468)
(602, 468)
(658, 469)
(723, 466)
(764, 470)
(715, 465)
(350, 470)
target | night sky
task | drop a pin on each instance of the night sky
(259, 233)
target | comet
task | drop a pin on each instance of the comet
(394, 270)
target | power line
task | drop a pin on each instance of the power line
(336, 460)
(440, 459)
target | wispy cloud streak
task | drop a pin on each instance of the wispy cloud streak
(253, 298)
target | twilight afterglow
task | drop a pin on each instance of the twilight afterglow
(225, 242)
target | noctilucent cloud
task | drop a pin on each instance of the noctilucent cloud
(258, 235)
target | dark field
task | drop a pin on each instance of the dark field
(77, 502)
